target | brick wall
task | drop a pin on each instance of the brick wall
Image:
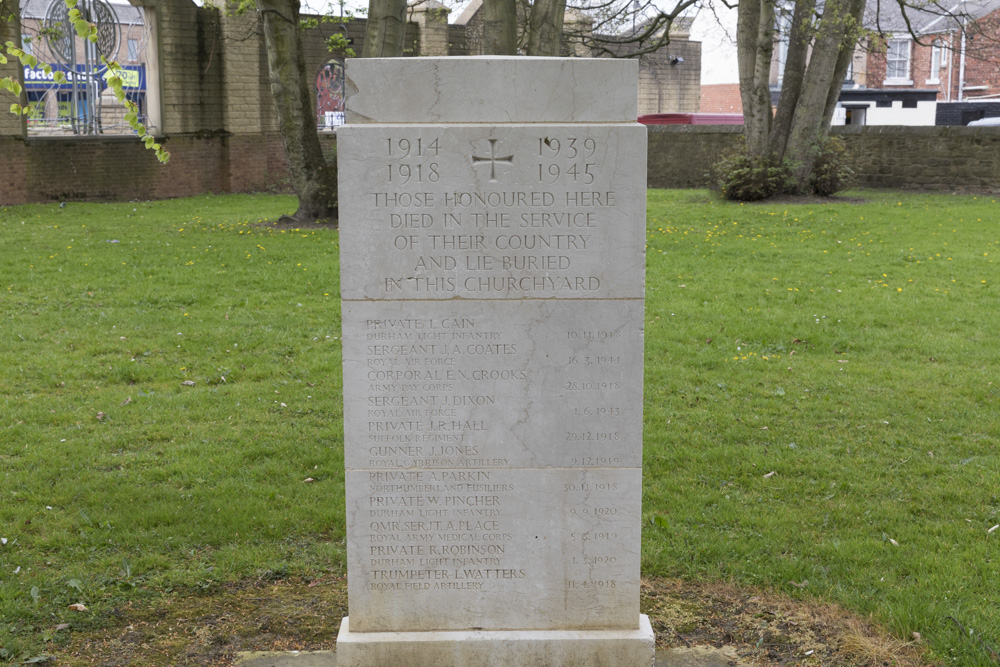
(960, 113)
(10, 31)
(667, 88)
(721, 98)
(982, 61)
(190, 46)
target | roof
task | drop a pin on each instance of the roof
(923, 18)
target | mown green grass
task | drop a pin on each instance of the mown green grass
(850, 348)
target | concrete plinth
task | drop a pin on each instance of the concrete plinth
(519, 648)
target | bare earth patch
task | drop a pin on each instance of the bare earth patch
(289, 615)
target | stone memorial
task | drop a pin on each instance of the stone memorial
(492, 281)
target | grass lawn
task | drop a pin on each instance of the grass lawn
(822, 408)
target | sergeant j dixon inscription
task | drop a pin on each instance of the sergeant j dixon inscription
(492, 285)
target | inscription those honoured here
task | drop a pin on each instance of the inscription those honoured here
(498, 212)
(492, 315)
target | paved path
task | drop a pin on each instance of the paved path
(697, 656)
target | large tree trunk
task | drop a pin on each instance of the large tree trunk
(824, 78)
(315, 180)
(754, 46)
(499, 27)
(799, 38)
(545, 28)
(386, 29)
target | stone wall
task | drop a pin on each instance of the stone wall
(950, 159)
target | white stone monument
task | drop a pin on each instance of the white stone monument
(492, 266)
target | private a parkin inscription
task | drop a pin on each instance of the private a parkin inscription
(492, 274)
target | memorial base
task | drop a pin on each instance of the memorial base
(479, 648)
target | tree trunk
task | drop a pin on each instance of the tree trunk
(754, 46)
(799, 38)
(315, 180)
(545, 28)
(386, 29)
(824, 78)
(499, 27)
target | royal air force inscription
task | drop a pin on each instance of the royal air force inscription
(492, 240)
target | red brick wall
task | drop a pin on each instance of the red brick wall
(721, 98)
(111, 168)
(13, 181)
(982, 61)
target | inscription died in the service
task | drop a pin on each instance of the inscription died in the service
(481, 214)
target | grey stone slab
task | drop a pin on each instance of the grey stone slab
(493, 89)
(492, 282)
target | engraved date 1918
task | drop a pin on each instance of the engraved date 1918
(409, 160)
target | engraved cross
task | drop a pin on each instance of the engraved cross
(493, 160)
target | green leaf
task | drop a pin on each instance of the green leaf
(75, 583)
(31, 61)
(15, 108)
(3, 59)
(59, 77)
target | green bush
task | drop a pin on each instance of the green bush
(834, 168)
(740, 176)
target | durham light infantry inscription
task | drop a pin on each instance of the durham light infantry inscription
(492, 284)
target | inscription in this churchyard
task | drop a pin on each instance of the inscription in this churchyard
(492, 267)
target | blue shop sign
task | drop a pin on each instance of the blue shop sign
(35, 78)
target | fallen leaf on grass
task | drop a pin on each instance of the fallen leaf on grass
(62, 626)
(308, 479)
(987, 532)
(100, 416)
(893, 542)
(188, 383)
(770, 474)
(805, 582)
(127, 401)
(79, 606)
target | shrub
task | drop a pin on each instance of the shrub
(740, 176)
(833, 170)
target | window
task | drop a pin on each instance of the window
(133, 50)
(939, 60)
(897, 65)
